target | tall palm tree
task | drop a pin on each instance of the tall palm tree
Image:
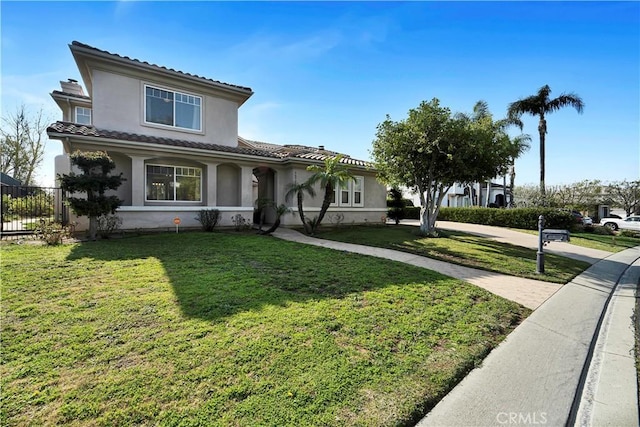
(333, 174)
(540, 105)
(299, 190)
(280, 211)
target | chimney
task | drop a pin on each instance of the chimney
(71, 86)
(321, 147)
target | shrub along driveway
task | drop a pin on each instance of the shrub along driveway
(233, 329)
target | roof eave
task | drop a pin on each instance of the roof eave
(120, 143)
(81, 54)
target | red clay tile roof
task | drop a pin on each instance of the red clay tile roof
(67, 128)
(115, 55)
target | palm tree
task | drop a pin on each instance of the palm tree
(540, 105)
(299, 190)
(280, 210)
(332, 175)
(518, 145)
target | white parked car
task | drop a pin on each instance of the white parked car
(629, 223)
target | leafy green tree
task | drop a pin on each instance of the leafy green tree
(578, 195)
(298, 189)
(625, 194)
(431, 150)
(482, 117)
(332, 175)
(541, 105)
(94, 181)
(22, 144)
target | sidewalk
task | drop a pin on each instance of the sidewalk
(570, 363)
(535, 376)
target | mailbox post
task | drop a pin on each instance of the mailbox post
(540, 253)
(547, 236)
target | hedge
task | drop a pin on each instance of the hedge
(523, 218)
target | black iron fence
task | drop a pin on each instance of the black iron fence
(24, 207)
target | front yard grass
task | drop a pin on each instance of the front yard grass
(602, 242)
(461, 248)
(232, 329)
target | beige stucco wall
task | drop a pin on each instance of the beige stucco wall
(375, 199)
(226, 185)
(118, 104)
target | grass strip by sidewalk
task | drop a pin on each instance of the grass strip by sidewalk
(463, 249)
(598, 241)
(232, 329)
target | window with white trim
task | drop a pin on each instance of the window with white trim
(174, 183)
(358, 191)
(350, 194)
(83, 116)
(172, 108)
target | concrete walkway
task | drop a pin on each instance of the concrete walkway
(528, 292)
(570, 363)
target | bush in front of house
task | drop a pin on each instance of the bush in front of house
(412, 212)
(107, 225)
(208, 218)
(52, 232)
(395, 205)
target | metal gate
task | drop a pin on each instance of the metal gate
(24, 207)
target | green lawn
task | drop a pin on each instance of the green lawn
(232, 329)
(598, 241)
(464, 249)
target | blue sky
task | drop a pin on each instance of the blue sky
(326, 73)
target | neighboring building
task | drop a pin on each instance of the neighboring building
(174, 137)
(9, 181)
(463, 196)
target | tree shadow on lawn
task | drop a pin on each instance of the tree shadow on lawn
(215, 275)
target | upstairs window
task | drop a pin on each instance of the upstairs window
(171, 108)
(174, 183)
(83, 116)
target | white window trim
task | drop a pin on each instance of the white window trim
(75, 112)
(351, 188)
(175, 91)
(146, 183)
(353, 192)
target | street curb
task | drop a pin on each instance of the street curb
(610, 395)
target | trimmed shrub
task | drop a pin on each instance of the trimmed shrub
(52, 232)
(630, 233)
(523, 218)
(604, 231)
(396, 205)
(208, 218)
(412, 212)
(107, 224)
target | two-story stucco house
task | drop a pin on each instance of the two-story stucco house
(174, 137)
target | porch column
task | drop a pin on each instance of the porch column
(212, 184)
(246, 186)
(137, 180)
